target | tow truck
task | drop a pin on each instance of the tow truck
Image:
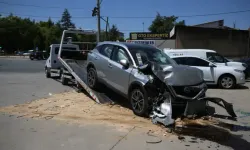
(68, 61)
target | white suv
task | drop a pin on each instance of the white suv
(224, 76)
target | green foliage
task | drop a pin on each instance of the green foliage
(114, 33)
(22, 34)
(121, 39)
(164, 24)
(17, 33)
(65, 22)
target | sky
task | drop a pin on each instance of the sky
(121, 11)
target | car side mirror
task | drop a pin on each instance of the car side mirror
(124, 63)
(211, 65)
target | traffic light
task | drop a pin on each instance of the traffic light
(94, 12)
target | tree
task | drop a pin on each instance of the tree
(65, 21)
(164, 24)
(114, 33)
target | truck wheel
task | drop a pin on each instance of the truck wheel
(139, 101)
(47, 72)
(92, 78)
(64, 80)
(60, 73)
(227, 82)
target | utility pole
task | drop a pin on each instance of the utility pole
(107, 24)
(248, 46)
(143, 26)
(98, 21)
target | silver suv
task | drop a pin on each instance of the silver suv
(116, 64)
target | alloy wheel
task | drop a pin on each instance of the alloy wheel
(91, 78)
(227, 82)
(137, 100)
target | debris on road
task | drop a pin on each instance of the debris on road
(153, 138)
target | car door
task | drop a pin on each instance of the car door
(118, 76)
(55, 63)
(203, 65)
(101, 60)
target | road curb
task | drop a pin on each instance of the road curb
(14, 57)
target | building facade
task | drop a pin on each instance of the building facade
(231, 43)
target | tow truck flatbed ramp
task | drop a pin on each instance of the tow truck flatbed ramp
(75, 62)
(79, 72)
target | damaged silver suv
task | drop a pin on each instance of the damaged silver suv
(151, 80)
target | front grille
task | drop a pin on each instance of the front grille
(188, 91)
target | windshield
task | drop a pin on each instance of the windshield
(145, 54)
(216, 58)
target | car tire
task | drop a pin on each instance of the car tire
(92, 78)
(47, 72)
(31, 58)
(139, 102)
(64, 80)
(227, 82)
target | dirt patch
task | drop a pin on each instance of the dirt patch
(76, 107)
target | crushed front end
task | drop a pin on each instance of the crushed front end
(178, 91)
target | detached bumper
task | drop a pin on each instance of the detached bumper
(200, 107)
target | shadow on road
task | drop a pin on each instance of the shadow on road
(220, 134)
(238, 87)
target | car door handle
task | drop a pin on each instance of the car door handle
(96, 58)
(110, 65)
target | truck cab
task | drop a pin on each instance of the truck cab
(53, 65)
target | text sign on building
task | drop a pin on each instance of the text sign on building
(148, 36)
(148, 42)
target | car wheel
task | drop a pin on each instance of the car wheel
(227, 82)
(92, 78)
(139, 102)
(47, 72)
(64, 80)
(31, 58)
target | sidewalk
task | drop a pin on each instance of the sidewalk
(29, 134)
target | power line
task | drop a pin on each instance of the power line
(137, 17)
(18, 27)
(78, 17)
(25, 5)
(212, 14)
(130, 17)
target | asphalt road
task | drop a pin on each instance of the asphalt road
(23, 80)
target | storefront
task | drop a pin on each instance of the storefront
(160, 40)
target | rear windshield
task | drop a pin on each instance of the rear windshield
(76, 55)
(64, 48)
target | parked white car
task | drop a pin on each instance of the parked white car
(209, 55)
(225, 77)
